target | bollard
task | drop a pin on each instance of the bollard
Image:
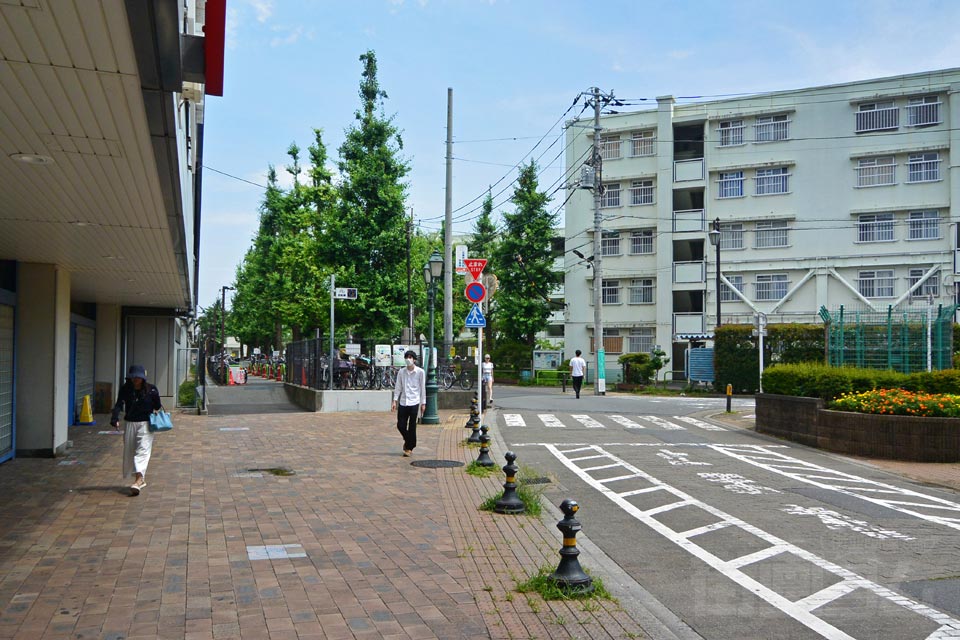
(563, 381)
(475, 434)
(569, 575)
(484, 459)
(729, 397)
(510, 502)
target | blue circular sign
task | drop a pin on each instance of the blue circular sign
(475, 292)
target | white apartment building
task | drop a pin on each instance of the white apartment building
(842, 194)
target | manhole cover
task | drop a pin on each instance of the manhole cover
(436, 464)
(540, 480)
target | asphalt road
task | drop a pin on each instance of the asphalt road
(743, 536)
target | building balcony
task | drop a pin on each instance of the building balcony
(688, 220)
(688, 170)
(688, 323)
(556, 317)
(690, 272)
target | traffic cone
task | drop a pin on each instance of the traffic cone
(86, 413)
(278, 374)
(231, 383)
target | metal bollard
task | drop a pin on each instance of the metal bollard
(475, 434)
(729, 397)
(569, 574)
(510, 502)
(484, 459)
(563, 381)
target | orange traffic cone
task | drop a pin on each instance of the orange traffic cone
(231, 383)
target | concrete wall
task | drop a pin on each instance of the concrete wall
(107, 373)
(336, 401)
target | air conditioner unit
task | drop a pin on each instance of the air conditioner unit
(587, 175)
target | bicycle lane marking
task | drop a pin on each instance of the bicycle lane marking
(801, 610)
(852, 485)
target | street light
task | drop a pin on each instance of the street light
(432, 271)
(223, 337)
(714, 236)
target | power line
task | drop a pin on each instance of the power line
(230, 175)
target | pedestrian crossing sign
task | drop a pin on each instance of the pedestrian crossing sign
(475, 319)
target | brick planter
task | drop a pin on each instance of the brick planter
(804, 420)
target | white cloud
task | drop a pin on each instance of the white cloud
(293, 34)
(264, 9)
(233, 20)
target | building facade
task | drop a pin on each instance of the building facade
(843, 194)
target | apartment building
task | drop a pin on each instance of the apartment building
(842, 194)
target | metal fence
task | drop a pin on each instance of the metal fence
(903, 340)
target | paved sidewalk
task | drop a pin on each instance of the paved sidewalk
(379, 549)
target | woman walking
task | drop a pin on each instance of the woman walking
(486, 369)
(138, 399)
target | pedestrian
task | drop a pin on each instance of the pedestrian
(409, 400)
(577, 368)
(486, 371)
(138, 398)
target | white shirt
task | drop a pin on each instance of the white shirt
(577, 366)
(487, 369)
(412, 385)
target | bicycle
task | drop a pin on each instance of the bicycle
(448, 375)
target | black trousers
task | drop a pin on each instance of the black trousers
(407, 425)
(577, 384)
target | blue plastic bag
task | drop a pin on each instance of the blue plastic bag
(160, 421)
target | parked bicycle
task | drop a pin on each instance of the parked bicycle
(455, 372)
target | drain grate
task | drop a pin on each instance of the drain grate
(275, 471)
(436, 464)
(539, 480)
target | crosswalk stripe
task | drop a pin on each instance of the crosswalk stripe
(514, 420)
(587, 421)
(706, 426)
(627, 422)
(550, 420)
(663, 424)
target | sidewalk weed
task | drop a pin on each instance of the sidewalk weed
(548, 589)
(530, 498)
(475, 469)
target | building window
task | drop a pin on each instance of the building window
(730, 185)
(771, 286)
(641, 291)
(923, 111)
(876, 284)
(610, 243)
(641, 241)
(726, 293)
(877, 116)
(771, 128)
(930, 286)
(643, 143)
(610, 195)
(610, 147)
(876, 172)
(640, 339)
(641, 192)
(731, 133)
(875, 227)
(923, 167)
(731, 236)
(770, 234)
(610, 292)
(772, 181)
(923, 225)
(612, 342)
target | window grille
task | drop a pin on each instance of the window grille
(730, 185)
(641, 192)
(641, 340)
(877, 116)
(771, 128)
(610, 292)
(876, 283)
(876, 172)
(771, 233)
(731, 133)
(641, 291)
(731, 236)
(643, 143)
(923, 111)
(641, 241)
(930, 286)
(610, 147)
(771, 286)
(610, 243)
(772, 181)
(875, 227)
(923, 167)
(610, 195)
(726, 293)
(923, 225)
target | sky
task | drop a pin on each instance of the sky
(515, 66)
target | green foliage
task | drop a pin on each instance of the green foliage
(524, 263)
(528, 494)
(541, 583)
(480, 471)
(512, 356)
(658, 362)
(187, 394)
(637, 368)
(737, 361)
(900, 402)
(822, 381)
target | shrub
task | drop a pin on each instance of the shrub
(899, 402)
(187, 394)
(822, 381)
(736, 357)
(637, 368)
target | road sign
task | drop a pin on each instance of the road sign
(342, 293)
(491, 282)
(475, 291)
(475, 266)
(475, 319)
(460, 253)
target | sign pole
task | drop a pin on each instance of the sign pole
(332, 362)
(482, 400)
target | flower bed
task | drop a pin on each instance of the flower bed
(899, 402)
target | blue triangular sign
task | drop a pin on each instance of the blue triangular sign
(475, 318)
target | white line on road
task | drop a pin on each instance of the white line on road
(627, 422)
(587, 421)
(550, 420)
(663, 424)
(706, 426)
(514, 420)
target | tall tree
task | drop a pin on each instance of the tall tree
(368, 236)
(524, 262)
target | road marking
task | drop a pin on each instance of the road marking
(847, 484)
(800, 610)
(550, 420)
(835, 521)
(704, 529)
(603, 466)
(627, 422)
(586, 458)
(676, 458)
(514, 420)
(706, 426)
(737, 484)
(663, 424)
(589, 445)
(829, 594)
(587, 421)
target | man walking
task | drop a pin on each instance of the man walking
(409, 400)
(577, 368)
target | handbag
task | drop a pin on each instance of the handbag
(160, 421)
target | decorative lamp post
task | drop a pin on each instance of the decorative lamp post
(223, 336)
(432, 272)
(714, 236)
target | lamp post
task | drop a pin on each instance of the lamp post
(223, 337)
(432, 272)
(714, 236)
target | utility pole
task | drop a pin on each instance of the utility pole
(409, 338)
(448, 235)
(599, 384)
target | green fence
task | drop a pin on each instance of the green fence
(902, 340)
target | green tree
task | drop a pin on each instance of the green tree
(524, 263)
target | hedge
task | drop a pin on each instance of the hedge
(737, 361)
(821, 381)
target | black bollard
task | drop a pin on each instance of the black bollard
(484, 459)
(569, 575)
(510, 502)
(475, 434)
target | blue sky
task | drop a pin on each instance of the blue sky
(515, 66)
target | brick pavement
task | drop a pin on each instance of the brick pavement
(391, 551)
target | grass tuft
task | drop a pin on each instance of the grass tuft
(549, 590)
(475, 469)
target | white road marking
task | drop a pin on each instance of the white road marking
(738, 484)
(706, 426)
(828, 594)
(627, 422)
(587, 421)
(514, 420)
(801, 610)
(663, 424)
(680, 459)
(550, 420)
(847, 484)
(589, 445)
(835, 521)
(603, 466)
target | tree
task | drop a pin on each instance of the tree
(524, 263)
